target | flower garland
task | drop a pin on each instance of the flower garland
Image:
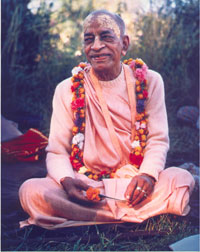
(138, 145)
(78, 107)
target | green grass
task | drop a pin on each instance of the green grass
(153, 235)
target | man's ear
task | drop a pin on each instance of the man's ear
(125, 42)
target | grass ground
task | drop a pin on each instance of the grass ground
(156, 234)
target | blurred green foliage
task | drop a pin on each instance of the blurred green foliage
(35, 57)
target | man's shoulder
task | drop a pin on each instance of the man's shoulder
(154, 80)
(64, 86)
(153, 75)
(63, 90)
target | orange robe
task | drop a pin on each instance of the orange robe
(48, 204)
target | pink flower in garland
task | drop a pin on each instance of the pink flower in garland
(132, 65)
(78, 103)
(144, 68)
(140, 74)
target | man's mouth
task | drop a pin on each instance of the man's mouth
(99, 57)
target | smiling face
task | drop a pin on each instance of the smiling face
(104, 45)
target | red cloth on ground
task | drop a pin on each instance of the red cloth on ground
(29, 147)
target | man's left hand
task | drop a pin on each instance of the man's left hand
(140, 187)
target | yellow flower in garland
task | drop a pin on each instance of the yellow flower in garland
(139, 62)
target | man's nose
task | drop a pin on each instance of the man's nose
(97, 44)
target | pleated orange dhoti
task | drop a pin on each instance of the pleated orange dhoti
(49, 206)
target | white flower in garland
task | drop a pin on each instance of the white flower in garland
(76, 70)
(78, 138)
(80, 145)
(82, 170)
(143, 125)
(137, 125)
(135, 144)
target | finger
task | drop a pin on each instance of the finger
(78, 197)
(139, 198)
(145, 189)
(81, 185)
(67, 182)
(148, 188)
(137, 194)
(136, 197)
(149, 182)
(130, 189)
(144, 192)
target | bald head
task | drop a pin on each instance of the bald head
(106, 19)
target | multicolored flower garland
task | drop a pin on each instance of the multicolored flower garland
(78, 107)
(138, 145)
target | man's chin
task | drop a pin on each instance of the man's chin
(99, 67)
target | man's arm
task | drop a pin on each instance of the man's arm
(58, 150)
(141, 186)
(157, 139)
(59, 145)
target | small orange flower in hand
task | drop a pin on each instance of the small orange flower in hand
(93, 194)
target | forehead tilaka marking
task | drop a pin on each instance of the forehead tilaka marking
(104, 21)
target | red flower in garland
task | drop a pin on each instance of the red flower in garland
(136, 159)
(78, 103)
(145, 93)
(103, 173)
(76, 84)
(77, 166)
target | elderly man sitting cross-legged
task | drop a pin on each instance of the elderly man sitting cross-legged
(108, 131)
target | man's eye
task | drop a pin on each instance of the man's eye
(88, 40)
(107, 38)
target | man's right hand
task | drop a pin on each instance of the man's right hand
(73, 188)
